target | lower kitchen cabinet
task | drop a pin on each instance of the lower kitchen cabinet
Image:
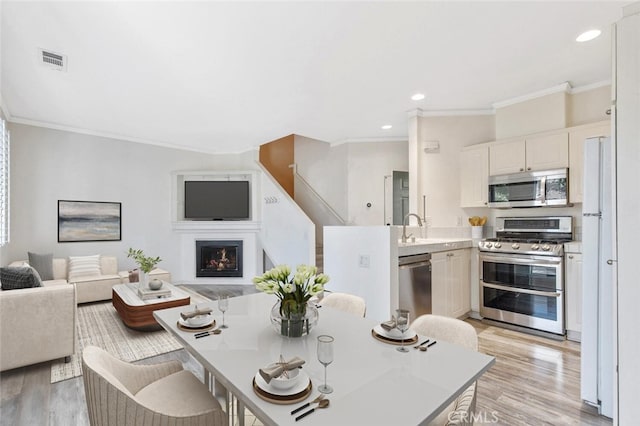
(573, 295)
(450, 286)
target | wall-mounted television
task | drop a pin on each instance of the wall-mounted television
(216, 200)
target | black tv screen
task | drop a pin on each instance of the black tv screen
(216, 200)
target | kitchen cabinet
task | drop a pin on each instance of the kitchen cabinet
(450, 283)
(544, 152)
(573, 295)
(577, 136)
(474, 176)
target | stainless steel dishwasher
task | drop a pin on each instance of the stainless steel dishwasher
(414, 283)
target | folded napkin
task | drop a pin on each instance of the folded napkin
(389, 325)
(186, 315)
(276, 369)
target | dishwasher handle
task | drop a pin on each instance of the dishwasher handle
(415, 265)
(414, 259)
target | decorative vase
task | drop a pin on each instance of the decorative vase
(294, 324)
(143, 279)
(155, 284)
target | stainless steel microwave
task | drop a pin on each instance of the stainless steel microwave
(549, 188)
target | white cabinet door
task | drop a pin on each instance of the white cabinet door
(439, 304)
(450, 287)
(507, 157)
(459, 290)
(573, 295)
(547, 152)
(576, 157)
(474, 175)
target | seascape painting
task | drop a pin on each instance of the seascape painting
(88, 221)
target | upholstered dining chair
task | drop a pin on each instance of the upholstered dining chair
(345, 302)
(119, 393)
(460, 411)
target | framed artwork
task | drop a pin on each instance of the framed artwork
(89, 221)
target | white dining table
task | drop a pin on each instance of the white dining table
(374, 384)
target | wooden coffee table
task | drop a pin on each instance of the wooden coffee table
(137, 313)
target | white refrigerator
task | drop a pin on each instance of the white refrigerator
(598, 274)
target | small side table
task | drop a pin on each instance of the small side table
(137, 313)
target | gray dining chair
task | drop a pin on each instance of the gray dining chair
(460, 411)
(345, 302)
(120, 393)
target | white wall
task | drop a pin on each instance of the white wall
(50, 165)
(439, 172)
(377, 283)
(367, 165)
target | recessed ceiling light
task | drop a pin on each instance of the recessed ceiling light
(387, 127)
(588, 35)
(417, 97)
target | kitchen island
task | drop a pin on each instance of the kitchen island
(363, 260)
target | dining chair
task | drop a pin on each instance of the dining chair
(460, 411)
(345, 302)
(120, 393)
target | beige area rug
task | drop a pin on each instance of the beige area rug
(100, 325)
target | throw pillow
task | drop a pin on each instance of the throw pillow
(13, 278)
(83, 266)
(43, 263)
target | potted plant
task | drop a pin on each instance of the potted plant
(291, 314)
(146, 264)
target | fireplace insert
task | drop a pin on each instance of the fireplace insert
(219, 258)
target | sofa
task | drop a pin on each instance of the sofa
(93, 288)
(37, 324)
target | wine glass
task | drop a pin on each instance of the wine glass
(223, 305)
(402, 324)
(325, 356)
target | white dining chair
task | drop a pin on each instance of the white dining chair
(460, 411)
(120, 393)
(345, 302)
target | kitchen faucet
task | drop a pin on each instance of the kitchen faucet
(404, 226)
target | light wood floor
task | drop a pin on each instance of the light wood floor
(535, 381)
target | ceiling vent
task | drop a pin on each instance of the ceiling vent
(53, 60)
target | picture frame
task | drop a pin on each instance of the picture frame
(83, 221)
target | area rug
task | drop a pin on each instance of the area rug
(100, 325)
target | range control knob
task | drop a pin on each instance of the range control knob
(515, 246)
(535, 247)
(488, 245)
(546, 247)
(497, 245)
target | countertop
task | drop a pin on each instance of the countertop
(433, 245)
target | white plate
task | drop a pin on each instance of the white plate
(186, 324)
(394, 333)
(302, 383)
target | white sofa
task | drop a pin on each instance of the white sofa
(91, 288)
(37, 324)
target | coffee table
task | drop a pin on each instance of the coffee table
(137, 313)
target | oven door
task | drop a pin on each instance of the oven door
(523, 290)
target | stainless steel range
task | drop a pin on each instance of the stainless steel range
(522, 272)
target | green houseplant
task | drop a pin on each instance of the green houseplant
(146, 264)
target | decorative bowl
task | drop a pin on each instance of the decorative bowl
(155, 284)
(199, 321)
(283, 382)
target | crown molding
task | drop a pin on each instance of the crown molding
(448, 112)
(588, 87)
(108, 135)
(563, 87)
(370, 140)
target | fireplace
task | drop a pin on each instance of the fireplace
(219, 258)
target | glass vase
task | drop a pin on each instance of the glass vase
(294, 324)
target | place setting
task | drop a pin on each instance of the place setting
(286, 382)
(396, 331)
(197, 320)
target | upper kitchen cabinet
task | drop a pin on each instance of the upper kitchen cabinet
(543, 152)
(577, 136)
(474, 175)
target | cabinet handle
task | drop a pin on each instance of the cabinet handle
(528, 168)
(521, 169)
(570, 257)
